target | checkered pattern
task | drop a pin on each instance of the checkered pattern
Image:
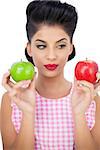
(53, 122)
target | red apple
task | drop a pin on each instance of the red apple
(87, 70)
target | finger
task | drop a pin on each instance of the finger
(22, 84)
(86, 87)
(11, 83)
(12, 93)
(97, 84)
(32, 84)
(6, 80)
(98, 88)
(86, 84)
(97, 91)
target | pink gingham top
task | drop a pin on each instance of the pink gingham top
(53, 122)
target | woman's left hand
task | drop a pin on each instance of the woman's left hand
(83, 94)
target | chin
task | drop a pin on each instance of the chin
(51, 74)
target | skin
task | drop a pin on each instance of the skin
(50, 52)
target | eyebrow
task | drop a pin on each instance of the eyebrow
(56, 42)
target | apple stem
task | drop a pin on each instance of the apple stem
(86, 58)
(21, 59)
(98, 76)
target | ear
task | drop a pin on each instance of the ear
(71, 49)
(29, 51)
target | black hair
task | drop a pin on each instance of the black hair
(50, 12)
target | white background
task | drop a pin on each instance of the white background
(13, 36)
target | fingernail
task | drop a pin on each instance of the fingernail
(26, 84)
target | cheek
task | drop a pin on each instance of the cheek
(37, 59)
(69, 51)
(62, 61)
(65, 56)
(34, 57)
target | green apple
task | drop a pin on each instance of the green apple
(22, 71)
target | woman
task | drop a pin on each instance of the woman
(49, 112)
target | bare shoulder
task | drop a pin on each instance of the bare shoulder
(5, 104)
(7, 130)
(5, 98)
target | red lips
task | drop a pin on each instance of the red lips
(51, 66)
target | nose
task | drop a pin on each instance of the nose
(51, 54)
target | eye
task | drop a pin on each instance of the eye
(61, 46)
(41, 46)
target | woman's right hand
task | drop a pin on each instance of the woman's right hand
(22, 93)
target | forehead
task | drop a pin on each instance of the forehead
(53, 33)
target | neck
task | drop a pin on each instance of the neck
(52, 87)
(48, 82)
